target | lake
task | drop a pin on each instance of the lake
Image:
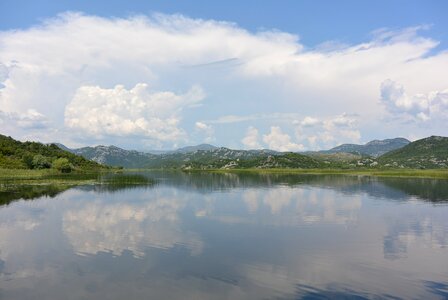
(227, 236)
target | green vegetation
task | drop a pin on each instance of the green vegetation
(341, 157)
(39, 162)
(126, 179)
(37, 156)
(427, 153)
(286, 160)
(63, 165)
(115, 182)
(51, 185)
(423, 158)
(25, 173)
(430, 153)
(47, 176)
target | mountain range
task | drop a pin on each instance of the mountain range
(430, 152)
(205, 153)
(373, 148)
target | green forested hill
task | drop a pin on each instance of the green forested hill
(32, 155)
(428, 153)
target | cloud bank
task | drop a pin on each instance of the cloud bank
(88, 77)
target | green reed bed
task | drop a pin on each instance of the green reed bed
(20, 185)
(47, 177)
(125, 179)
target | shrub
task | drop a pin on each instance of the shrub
(41, 162)
(27, 159)
(63, 165)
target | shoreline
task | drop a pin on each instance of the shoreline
(403, 173)
(51, 176)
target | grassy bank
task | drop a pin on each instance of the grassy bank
(25, 174)
(18, 184)
(50, 176)
(434, 173)
(48, 173)
(110, 180)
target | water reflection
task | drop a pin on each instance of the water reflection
(12, 190)
(114, 228)
(427, 231)
(433, 190)
(286, 206)
(303, 237)
(11, 193)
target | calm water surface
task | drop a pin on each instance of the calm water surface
(228, 236)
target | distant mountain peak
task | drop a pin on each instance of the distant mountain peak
(387, 141)
(396, 152)
(374, 148)
(202, 147)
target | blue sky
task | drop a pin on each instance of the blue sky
(315, 21)
(287, 75)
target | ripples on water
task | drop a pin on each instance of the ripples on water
(227, 236)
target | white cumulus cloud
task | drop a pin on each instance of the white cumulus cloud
(279, 141)
(321, 133)
(309, 122)
(137, 111)
(207, 130)
(30, 119)
(202, 126)
(420, 106)
(250, 141)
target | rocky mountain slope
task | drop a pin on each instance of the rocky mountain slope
(203, 154)
(224, 158)
(426, 153)
(115, 156)
(373, 148)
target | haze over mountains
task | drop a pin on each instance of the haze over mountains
(370, 154)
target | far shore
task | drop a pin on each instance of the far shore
(413, 173)
(50, 175)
